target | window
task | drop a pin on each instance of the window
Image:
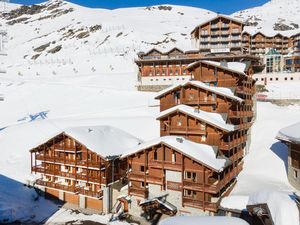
(155, 155)
(292, 78)
(190, 176)
(179, 123)
(191, 96)
(271, 79)
(174, 157)
(285, 78)
(202, 126)
(214, 107)
(142, 168)
(203, 138)
(276, 78)
(295, 174)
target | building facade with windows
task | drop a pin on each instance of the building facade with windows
(80, 165)
(204, 122)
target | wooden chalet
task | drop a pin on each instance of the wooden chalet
(290, 136)
(192, 175)
(79, 164)
(219, 35)
(158, 70)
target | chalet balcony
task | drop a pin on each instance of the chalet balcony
(232, 144)
(165, 164)
(185, 130)
(149, 179)
(204, 205)
(77, 190)
(237, 156)
(196, 101)
(141, 192)
(245, 126)
(78, 176)
(68, 161)
(238, 114)
(56, 186)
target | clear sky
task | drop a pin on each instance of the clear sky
(221, 6)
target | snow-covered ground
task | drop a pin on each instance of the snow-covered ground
(91, 81)
(265, 168)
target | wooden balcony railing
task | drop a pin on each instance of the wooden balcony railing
(215, 187)
(78, 176)
(165, 164)
(142, 192)
(204, 205)
(237, 156)
(184, 130)
(188, 101)
(68, 161)
(76, 190)
(149, 179)
(237, 114)
(232, 144)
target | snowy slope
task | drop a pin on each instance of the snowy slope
(110, 48)
(276, 16)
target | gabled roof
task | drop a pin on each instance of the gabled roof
(218, 90)
(152, 50)
(235, 67)
(173, 49)
(104, 140)
(214, 119)
(217, 17)
(204, 154)
(290, 134)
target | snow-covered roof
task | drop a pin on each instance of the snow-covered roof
(219, 16)
(202, 153)
(282, 207)
(103, 140)
(214, 119)
(218, 90)
(203, 220)
(236, 67)
(290, 134)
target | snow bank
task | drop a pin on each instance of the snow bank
(282, 207)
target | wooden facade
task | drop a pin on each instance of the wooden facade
(200, 186)
(168, 68)
(69, 166)
(219, 35)
(226, 35)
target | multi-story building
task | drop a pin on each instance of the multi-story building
(158, 70)
(203, 122)
(290, 136)
(221, 34)
(80, 165)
